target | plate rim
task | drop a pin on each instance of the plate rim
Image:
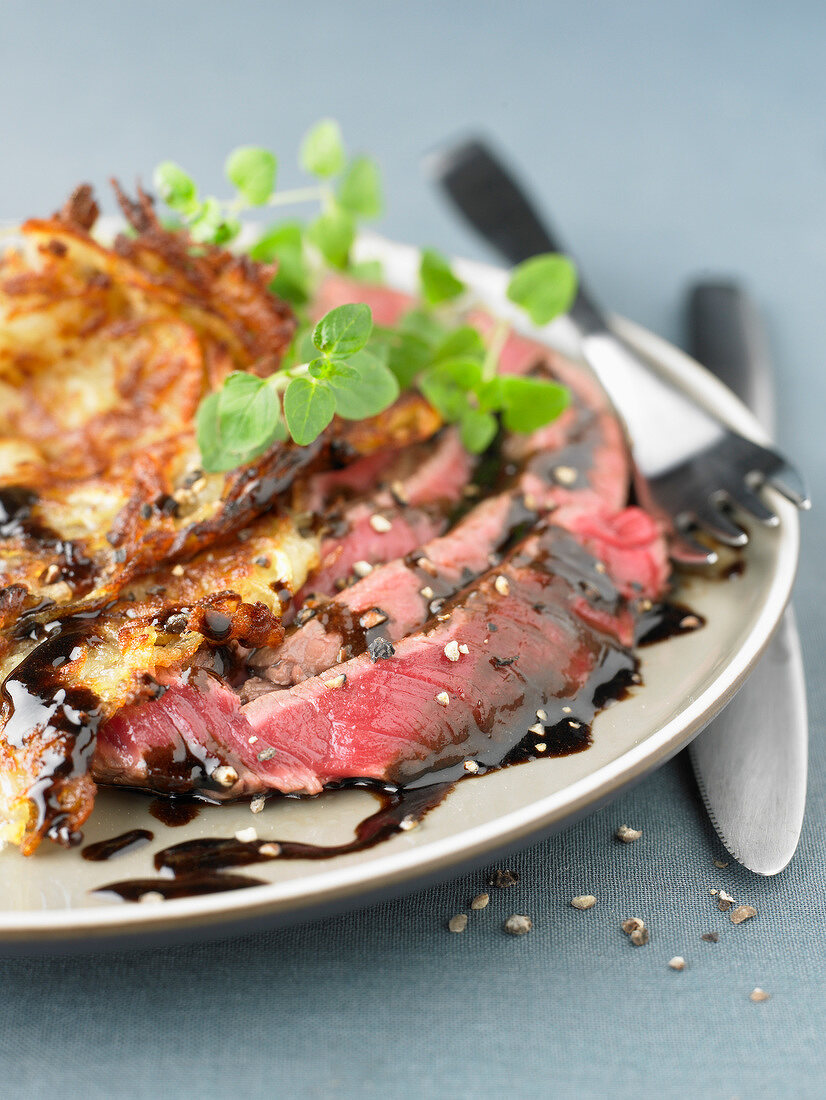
(360, 883)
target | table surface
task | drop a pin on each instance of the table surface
(670, 141)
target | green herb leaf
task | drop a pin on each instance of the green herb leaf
(407, 355)
(463, 343)
(322, 150)
(530, 403)
(175, 187)
(360, 189)
(372, 390)
(309, 406)
(248, 412)
(344, 330)
(215, 456)
(323, 367)
(333, 233)
(252, 172)
(284, 243)
(367, 271)
(209, 436)
(422, 323)
(438, 282)
(477, 430)
(489, 394)
(544, 286)
(446, 386)
(210, 226)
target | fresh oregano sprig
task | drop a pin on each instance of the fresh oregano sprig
(248, 414)
(347, 190)
(344, 364)
(458, 372)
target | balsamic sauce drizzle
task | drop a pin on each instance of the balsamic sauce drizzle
(199, 865)
(117, 845)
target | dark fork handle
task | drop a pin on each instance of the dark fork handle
(481, 188)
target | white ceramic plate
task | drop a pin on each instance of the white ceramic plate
(46, 900)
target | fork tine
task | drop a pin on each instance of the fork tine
(687, 551)
(789, 482)
(720, 526)
(750, 502)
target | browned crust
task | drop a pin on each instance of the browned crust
(165, 538)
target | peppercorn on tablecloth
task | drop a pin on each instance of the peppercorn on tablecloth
(668, 141)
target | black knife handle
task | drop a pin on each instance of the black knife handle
(481, 188)
(476, 181)
(726, 335)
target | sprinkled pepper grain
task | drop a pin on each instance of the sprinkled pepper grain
(584, 901)
(225, 776)
(503, 878)
(518, 924)
(724, 901)
(632, 924)
(741, 913)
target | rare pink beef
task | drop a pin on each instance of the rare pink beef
(521, 644)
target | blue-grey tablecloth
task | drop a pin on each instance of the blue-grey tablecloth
(668, 139)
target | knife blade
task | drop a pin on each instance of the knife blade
(751, 761)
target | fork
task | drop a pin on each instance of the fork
(691, 469)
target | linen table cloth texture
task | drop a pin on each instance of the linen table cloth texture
(667, 140)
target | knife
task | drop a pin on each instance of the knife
(751, 761)
(751, 765)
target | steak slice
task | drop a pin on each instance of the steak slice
(392, 600)
(427, 707)
(396, 597)
(407, 506)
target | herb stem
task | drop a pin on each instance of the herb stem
(279, 198)
(495, 346)
(282, 378)
(296, 195)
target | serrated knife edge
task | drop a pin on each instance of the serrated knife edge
(751, 761)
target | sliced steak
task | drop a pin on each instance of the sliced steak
(392, 600)
(413, 712)
(395, 598)
(433, 659)
(435, 470)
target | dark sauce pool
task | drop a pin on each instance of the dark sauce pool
(174, 812)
